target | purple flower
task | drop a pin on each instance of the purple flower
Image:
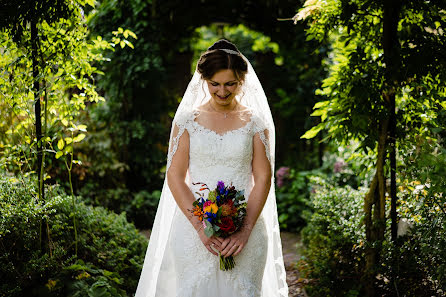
(220, 186)
(281, 174)
(338, 166)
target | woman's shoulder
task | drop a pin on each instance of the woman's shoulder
(183, 117)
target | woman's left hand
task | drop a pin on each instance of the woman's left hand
(234, 244)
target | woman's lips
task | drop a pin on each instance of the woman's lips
(223, 98)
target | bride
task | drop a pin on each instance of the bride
(222, 130)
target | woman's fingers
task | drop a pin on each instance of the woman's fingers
(209, 247)
(230, 249)
(219, 239)
(240, 248)
(224, 244)
(216, 244)
(225, 249)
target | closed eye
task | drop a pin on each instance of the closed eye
(230, 84)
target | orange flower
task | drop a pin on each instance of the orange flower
(198, 212)
(228, 209)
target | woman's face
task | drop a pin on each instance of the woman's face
(223, 86)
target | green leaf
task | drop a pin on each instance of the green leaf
(60, 144)
(129, 44)
(321, 104)
(208, 230)
(318, 112)
(68, 149)
(131, 34)
(79, 138)
(59, 154)
(312, 132)
(82, 128)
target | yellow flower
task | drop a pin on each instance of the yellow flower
(212, 208)
(83, 275)
(51, 284)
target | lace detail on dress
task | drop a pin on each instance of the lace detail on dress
(181, 121)
(260, 127)
(213, 156)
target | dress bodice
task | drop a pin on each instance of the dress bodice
(223, 157)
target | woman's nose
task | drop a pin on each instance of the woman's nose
(221, 91)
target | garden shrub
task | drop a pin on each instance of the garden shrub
(293, 192)
(334, 238)
(341, 167)
(110, 250)
(139, 207)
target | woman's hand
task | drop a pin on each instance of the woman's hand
(213, 243)
(234, 244)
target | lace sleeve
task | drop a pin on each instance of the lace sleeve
(260, 127)
(179, 124)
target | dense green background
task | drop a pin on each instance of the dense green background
(108, 77)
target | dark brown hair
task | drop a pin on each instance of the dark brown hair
(216, 59)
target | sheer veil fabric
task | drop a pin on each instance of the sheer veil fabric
(156, 268)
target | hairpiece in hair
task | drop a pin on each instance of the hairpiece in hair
(229, 51)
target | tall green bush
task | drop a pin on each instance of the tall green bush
(334, 240)
(110, 250)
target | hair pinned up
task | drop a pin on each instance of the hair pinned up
(223, 54)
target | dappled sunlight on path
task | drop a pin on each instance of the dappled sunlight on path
(291, 255)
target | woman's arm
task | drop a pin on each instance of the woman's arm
(261, 169)
(176, 179)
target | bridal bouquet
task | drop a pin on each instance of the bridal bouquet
(222, 214)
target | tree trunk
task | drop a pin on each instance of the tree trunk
(391, 47)
(392, 156)
(391, 57)
(37, 109)
(375, 200)
(374, 208)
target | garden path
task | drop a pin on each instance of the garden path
(291, 247)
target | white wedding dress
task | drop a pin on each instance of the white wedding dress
(177, 264)
(214, 157)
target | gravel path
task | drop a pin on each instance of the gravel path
(291, 244)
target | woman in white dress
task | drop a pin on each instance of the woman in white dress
(222, 131)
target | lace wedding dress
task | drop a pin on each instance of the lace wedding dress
(213, 157)
(177, 264)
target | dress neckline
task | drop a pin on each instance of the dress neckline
(196, 112)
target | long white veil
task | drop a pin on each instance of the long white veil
(197, 93)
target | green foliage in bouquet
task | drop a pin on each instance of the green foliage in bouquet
(110, 250)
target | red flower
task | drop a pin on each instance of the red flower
(226, 225)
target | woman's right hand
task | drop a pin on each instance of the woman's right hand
(210, 242)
